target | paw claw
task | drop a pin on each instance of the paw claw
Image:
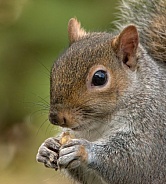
(48, 153)
(73, 154)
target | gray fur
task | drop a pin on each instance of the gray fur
(124, 127)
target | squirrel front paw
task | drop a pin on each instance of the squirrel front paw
(48, 153)
(73, 154)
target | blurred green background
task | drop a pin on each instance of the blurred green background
(32, 35)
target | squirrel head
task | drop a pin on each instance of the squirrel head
(88, 79)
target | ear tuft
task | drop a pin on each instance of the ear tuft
(126, 45)
(75, 32)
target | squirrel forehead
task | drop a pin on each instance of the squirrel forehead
(91, 41)
(81, 55)
(86, 50)
(72, 67)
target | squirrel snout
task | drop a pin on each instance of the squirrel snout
(57, 119)
(60, 118)
(53, 118)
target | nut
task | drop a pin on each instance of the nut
(66, 137)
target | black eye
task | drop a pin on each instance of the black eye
(99, 78)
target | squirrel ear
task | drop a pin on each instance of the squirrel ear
(126, 45)
(75, 32)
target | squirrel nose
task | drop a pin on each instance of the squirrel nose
(53, 118)
(57, 119)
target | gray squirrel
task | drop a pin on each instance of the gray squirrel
(108, 90)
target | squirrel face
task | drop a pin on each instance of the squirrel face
(88, 79)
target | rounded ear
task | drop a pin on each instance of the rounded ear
(75, 32)
(126, 44)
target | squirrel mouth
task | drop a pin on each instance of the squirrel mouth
(78, 128)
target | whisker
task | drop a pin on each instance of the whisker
(41, 126)
(47, 128)
(41, 111)
(37, 104)
(43, 99)
(48, 70)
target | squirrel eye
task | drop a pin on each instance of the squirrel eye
(99, 78)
